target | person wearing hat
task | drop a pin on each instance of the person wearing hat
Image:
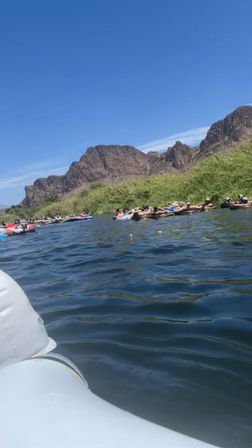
(242, 199)
(242, 202)
(207, 204)
(226, 203)
(190, 206)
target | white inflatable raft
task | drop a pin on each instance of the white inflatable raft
(44, 400)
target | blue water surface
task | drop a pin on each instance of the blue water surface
(157, 314)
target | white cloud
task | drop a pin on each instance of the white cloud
(191, 137)
(29, 177)
(41, 165)
(13, 182)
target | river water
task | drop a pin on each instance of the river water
(156, 314)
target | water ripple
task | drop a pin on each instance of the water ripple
(157, 314)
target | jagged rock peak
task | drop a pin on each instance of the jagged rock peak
(236, 127)
(178, 156)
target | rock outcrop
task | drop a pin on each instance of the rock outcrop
(177, 157)
(236, 127)
(98, 164)
(113, 163)
(110, 163)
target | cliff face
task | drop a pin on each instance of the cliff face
(178, 157)
(98, 164)
(236, 127)
(113, 163)
(110, 163)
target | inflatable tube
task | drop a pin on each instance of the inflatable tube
(22, 332)
(10, 231)
(45, 401)
(137, 217)
(238, 206)
(78, 218)
(30, 228)
(46, 404)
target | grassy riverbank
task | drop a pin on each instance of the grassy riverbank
(218, 176)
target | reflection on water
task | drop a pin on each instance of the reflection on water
(156, 314)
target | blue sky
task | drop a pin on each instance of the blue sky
(143, 72)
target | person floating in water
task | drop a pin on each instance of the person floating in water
(242, 199)
(227, 202)
(154, 212)
(18, 227)
(207, 204)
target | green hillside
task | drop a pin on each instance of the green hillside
(225, 174)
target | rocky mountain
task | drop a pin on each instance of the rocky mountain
(99, 164)
(236, 127)
(177, 157)
(112, 163)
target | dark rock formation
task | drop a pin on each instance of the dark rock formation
(177, 157)
(236, 127)
(107, 164)
(98, 164)
(114, 163)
